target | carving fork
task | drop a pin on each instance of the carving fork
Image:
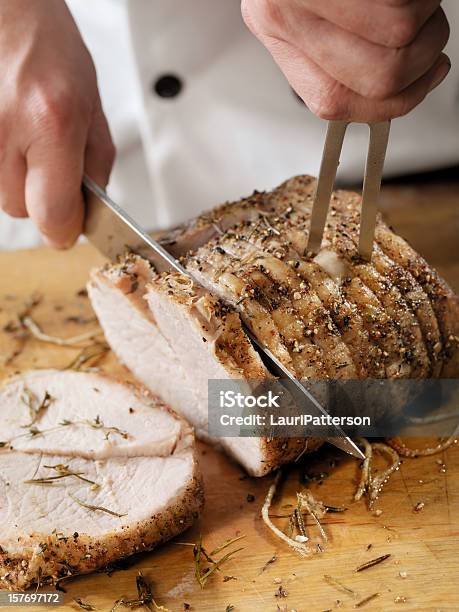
(379, 135)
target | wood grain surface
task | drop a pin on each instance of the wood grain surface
(423, 568)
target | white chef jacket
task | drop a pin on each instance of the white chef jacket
(235, 125)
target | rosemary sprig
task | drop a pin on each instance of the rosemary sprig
(95, 508)
(269, 562)
(199, 552)
(97, 423)
(144, 597)
(63, 471)
(371, 563)
(88, 355)
(225, 544)
(36, 407)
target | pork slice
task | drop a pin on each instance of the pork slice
(121, 479)
(164, 354)
(390, 299)
(365, 353)
(403, 267)
(418, 302)
(240, 292)
(210, 342)
(116, 294)
(318, 324)
(444, 302)
(278, 240)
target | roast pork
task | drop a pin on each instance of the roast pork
(91, 470)
(332, 316)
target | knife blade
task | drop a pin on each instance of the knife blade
(112, 231)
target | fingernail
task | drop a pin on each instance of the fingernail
(439, 74)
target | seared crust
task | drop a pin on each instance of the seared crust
(407, 317)
(46, 559)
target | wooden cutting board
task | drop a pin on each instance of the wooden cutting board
(422, 570)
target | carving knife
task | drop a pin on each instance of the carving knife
(111, 230)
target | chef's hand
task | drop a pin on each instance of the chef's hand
(52, 126)
(361, 60)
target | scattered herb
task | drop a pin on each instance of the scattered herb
(228, 578)
(315, 508)
(63, 471)
(300, 547)
(199, 552)
(419, 506)
(38, 334)
(91, 507)
(371, 563)
(144, 597)
(269, 562)
(83, 605)
(334, 508)
(229, 608)
(338, 584)
(96, 423)
(281, 592)
(36, 407)
(400, 599)
(366, 600)
(370, 484)
(91, 354)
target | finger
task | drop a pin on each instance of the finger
(100, 150)
(53, 184)
(391, 23)
(329, 99)
(370, 70)
(12, 179)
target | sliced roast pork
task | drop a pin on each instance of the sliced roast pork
(332, 316)
(174, 337)
(91, 470)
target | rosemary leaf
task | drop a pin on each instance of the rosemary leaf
(95, 508)
(83, 605)
(366, 600)
(338, 584)
(217, 565)
(371, 563)
(62, 472)
(35, 407)
(226, 544)
(89, 354)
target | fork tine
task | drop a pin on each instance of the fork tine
(328, 167)
(379, 136)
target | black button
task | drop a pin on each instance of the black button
(168, 86)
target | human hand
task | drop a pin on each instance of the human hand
(52, 126)
(358, 60)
